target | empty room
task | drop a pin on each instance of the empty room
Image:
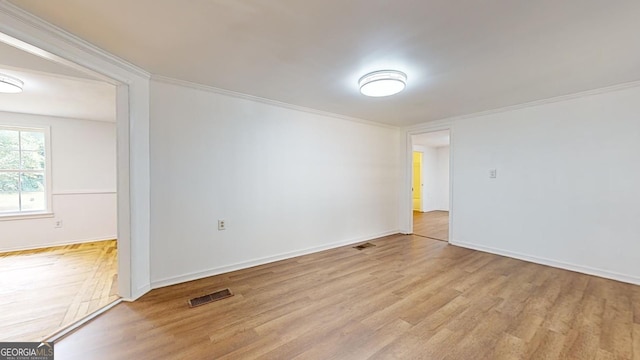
(348, 180)
(58, 211)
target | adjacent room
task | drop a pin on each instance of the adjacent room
(330, 179)
(58, 247)
(430, 184)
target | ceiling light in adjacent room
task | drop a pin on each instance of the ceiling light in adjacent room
(10, 85)
(382, 83)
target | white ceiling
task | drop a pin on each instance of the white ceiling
(461, 57)
(53, 89)
(15, 58)
(432, 139)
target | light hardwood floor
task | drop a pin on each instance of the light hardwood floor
(409, 297)
(44, 290)
(432, 224)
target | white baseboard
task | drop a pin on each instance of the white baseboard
(265, 260)
(553, 263)
(65, 243)
(139, 293)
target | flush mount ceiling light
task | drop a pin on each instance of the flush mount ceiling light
(382, 83)
(10, 85)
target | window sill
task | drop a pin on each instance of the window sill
(26, 216)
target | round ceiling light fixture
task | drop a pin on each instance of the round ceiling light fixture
(382, 83)
(10, 85)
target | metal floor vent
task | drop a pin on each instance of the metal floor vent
(218, 295)
(363, 246)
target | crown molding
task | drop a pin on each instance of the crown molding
(429, 126)
(555, 99)
(207, 88)
(31, 20)
(46, 116)
(29, 33)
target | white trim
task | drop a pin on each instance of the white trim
(29, 33)
(429, 126)
(124, 203)
(80, 44)
(549, 262)
(48, 172)
(26, 216)
(53, 116)
(72, 242)
(17, 127)
(261, 261)
(406, 216)
(59, 334)
(78, 78)
(48, 177)
(84, 192)
(529, 104)
(421, 206)
(207, 88)
(141, 291)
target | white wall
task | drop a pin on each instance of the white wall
(83, 167)
(435, 177)
(286, 182)
(567, 191)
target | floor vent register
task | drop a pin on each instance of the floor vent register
(363, 246)
(209, 298)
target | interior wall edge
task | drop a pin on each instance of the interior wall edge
(139, 292)
(436, 124)
(31, 20)
(73, 242)
(630, 279)
(262, 261)
(132, 115)
(280, 104)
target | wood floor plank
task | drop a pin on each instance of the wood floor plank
(636, 341)
(373, 343)
(404, 347)
(635, 302)
(604, 355)
(46, 289)
(616, 334)
(482, 338)
(509, 347)
(432, 224)
(583, 342)
(409, 297)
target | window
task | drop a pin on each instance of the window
(24, 179)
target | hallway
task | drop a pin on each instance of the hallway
(432, 224)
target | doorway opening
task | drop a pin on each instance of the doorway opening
(430, 184)
(58, 200)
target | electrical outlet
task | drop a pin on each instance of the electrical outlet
(58, 224)
(493, 173)
(222, 225)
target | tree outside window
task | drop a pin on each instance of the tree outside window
(22, 170)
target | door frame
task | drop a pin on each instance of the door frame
(421, 180)
(27, 32)
(406, 211)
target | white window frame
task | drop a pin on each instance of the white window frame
(48, 197)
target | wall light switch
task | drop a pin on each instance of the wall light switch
(493, 173)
